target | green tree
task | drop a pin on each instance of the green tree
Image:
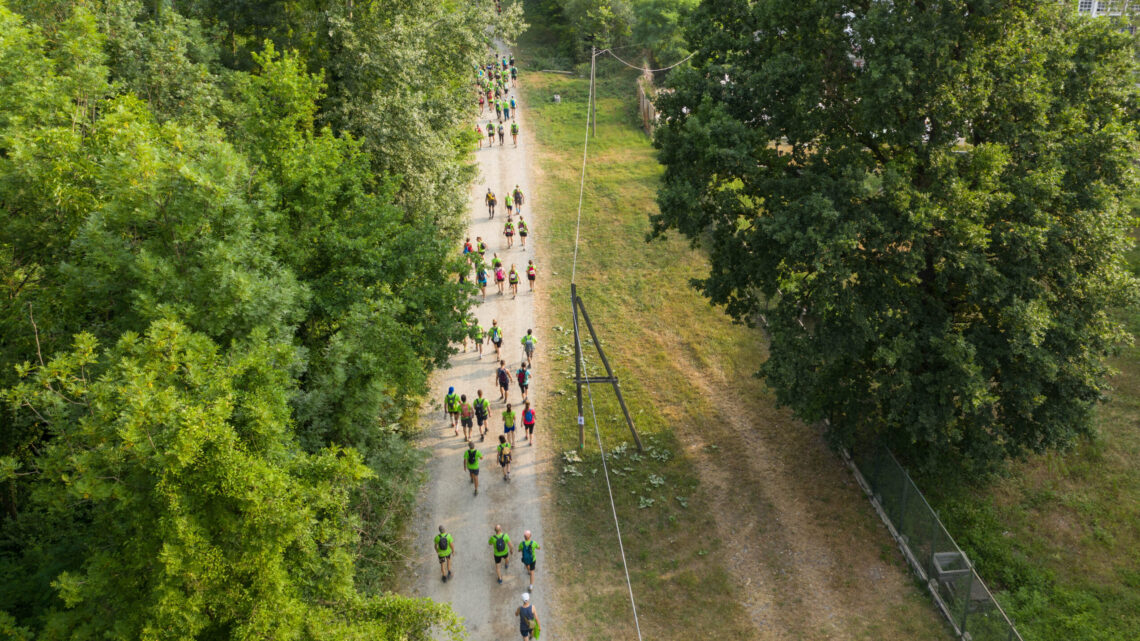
(921, 202)
(177, 504)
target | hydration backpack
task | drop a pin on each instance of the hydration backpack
(442, 543)
(500, 544)
(471, 454)
(528, 552)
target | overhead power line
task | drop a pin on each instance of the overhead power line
(580, 359)
(632, 66)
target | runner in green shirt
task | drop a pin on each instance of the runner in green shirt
(466, 417)
(504, 451)
(444, 549)
(451, 406)
(500, 544)
(479, 335)
(529, 549)
(471, 458)
(514, 133)
(482, 414)
(529, 342)
(509, 424)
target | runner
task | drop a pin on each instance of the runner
(480, 246)
(509, 230)
(529, 550)
(500, 543)
(467, 247)
(505, 457)
(503, 378)
(510, 203)
(451, 406)
(524, 231)
(502, 134)
(498, 107)
(466, 416)
(490, 134)
(531, 274)
(496, 262)
(513, 105)
(522, 375)
(479, 134)
(529, 342)
(509, 422)
(528, 618)
(518, 200)
(496, 336)
(479, 335)
(529, 416)
(471, 460)
(514, 76)
(507, 109)
(491, 202)
(444, 549)
(513, 279)
(482, 414)
(499, 278)
(481, 281)
(514, 133)
(482, 104)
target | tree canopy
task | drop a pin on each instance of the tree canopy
(922, 204)
(228, 259)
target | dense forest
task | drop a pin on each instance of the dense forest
(227, 260)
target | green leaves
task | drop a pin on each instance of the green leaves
(269, 247)
(925, 217)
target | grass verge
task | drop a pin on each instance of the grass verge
(1059, 534)
(663, 337)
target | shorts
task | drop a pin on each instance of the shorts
(523, 234)
(497, 342)
(508, 429)
(529, 277)
(500, 559)
(529, 349)
(474, 472)
(443, 559)
(453, 414)
(509, 233)
(481, 419)
(530, 427)
(530, 566)
(523, 387)
(466, 422)
(504, 463)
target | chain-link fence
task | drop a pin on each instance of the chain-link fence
(938, 561)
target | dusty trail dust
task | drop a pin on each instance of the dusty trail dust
(486, 607)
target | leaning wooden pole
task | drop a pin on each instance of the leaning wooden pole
(578, 366)
(613, 380)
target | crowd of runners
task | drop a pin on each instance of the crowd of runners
(473, 413)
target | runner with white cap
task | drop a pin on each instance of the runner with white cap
(528, 618)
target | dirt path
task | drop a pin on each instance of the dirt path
(486, 607)
(813, 562)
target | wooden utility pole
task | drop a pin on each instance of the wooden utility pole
(581, 380)
(593, 89)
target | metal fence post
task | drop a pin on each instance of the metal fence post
(902, 505)
(969, 592)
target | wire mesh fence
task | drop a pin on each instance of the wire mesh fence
(956, 588)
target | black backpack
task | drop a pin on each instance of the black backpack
(500, 544)
(471, 454)
(442, 543)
